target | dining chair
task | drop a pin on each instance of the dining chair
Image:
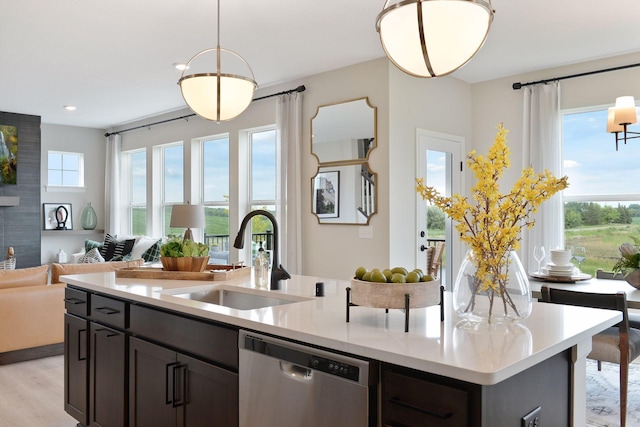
(617, 344)
(434, 268)
(634, 317)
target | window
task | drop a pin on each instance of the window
(172, 183)
(602, 203)
(262, 144)
(215, 189)
(65, 169)
(137, 168)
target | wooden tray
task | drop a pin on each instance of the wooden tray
(213, 272)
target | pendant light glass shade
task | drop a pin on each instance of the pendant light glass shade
(214, 92)
(217, 95)
(432, 38)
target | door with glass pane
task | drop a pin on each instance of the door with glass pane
(440, 164)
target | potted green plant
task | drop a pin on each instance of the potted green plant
(629, 262)
(184, 255)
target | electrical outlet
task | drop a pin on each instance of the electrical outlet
(532, 419)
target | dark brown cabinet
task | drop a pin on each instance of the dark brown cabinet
(76, 386)
(168, 388)
(95, 360)
(107, 376)
(129, 364)
(408, 400)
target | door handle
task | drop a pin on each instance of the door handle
(295, 372)
(169, 383)
(179, 385)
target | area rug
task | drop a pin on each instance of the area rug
(603, 395)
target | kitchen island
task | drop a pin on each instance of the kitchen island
(504, 370)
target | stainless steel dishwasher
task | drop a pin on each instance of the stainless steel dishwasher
(285, 384)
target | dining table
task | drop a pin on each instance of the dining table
(592, 284)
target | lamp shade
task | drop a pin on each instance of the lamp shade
(217, 95)
(611, 121)
(187, 216)
(625, 111)
(432, 38)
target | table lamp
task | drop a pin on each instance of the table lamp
(187, 216)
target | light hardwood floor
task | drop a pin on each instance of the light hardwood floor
(31, 394)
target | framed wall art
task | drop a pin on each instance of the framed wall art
(326, 194)
(57, 216)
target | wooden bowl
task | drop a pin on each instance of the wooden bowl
(196, 264)
(391, 295)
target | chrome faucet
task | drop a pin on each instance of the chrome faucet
(278, 272)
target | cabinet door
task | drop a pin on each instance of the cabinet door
(208, 394)
(107, 375)
(76, 368)
(151, 376)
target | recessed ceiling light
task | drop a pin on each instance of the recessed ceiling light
(180, 66)
(70, 107)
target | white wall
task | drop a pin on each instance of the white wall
(91, 142)
(441, 105)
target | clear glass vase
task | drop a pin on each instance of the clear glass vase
(89, 219)
(503, 295)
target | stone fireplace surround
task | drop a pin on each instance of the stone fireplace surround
(20, 225)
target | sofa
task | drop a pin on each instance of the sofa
(32, 308)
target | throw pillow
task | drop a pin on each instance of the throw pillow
(153, 253)
(92, 256)
(116, 249)
(8, 264)
(90, 244)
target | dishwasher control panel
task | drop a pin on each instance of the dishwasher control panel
(335, 368)
(307, 357)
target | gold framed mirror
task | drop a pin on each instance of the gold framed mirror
(344, 132)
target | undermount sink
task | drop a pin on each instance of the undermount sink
(240, 300)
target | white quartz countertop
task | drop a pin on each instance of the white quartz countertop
(477, 353)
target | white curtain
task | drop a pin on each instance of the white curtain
(289, 192)
(542, 149)
(112, 185)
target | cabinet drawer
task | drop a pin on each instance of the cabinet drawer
(109, 311)
(216, 343)
(76, 302)
(408, 401)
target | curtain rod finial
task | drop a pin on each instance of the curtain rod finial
(517, 86)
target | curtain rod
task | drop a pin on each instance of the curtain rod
(519, 85)
(300, 88)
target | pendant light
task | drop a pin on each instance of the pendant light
(620, 116)
(432, 38)
(217, 94)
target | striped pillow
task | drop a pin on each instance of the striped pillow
(116, 249)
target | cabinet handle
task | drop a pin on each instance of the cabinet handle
(107, 310)
(442, 415)
(179, 378)
(175, 383)
(82, 344)
(107, 332)
(74, 301)
(169, 383)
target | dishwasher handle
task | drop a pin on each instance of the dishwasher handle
(295, 372)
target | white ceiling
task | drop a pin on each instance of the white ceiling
(112, 59)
